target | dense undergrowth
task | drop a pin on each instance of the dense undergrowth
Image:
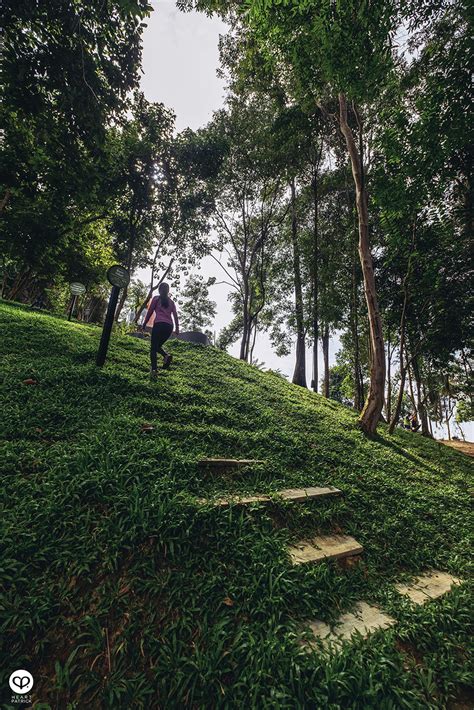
(120, 591)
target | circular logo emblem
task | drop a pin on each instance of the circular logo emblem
(21, 682)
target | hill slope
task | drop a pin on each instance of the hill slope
(122, 591)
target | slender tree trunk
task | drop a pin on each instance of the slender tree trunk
(254, 338)
(120, 305)
(412, 394)
(19, 284)
(425, 430)
(94, 303)
(425, 400)
(131, 247)
(389, 379)
(403, 365)
(315, 283)
(389, 387)
(245, 333)
(358, 390)
(3, 289)
(4, 200)
(299, 374)
(373, 406)
(325, 341)
(401, 389)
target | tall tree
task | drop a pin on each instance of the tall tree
(197, 310)
(139, 149)
(247, 196)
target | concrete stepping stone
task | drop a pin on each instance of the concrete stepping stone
(296, 495)
(325, 547)
(429, 585)
(364, 619)
(228, 463)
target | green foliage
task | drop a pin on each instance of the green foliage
(120, 589)
(341, 386)
(139, 156)
(196, 310)
(67, 71)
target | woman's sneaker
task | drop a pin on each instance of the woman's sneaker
(167, 362)
(153, 374)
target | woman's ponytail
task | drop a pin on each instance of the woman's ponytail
(164, 290)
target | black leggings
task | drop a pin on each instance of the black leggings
(159, 335)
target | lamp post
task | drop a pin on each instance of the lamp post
(119, 277)
(77, 289)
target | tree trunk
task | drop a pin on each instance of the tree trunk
(245, 333)
(299, 374)
(431, 427)
(373, 406)
(253, 339)
(389, 380)
(120, 305)
(315, 282)
(19, 284)
(412, 394)
(398, 405)
(358, 386)
(425, 429)
(403, 366)
(131, 247)
(325, 340)
(3, 289)
(4, 200)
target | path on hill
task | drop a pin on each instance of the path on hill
(365, 618)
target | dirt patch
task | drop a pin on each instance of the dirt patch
(467, 447)
(463, 701)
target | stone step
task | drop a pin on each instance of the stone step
(429, 585)
(228, 463)
(325, 547)
(364, 619)
(296, 495)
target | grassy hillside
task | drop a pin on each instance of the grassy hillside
(121, 591)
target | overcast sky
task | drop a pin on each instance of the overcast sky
(180, 58)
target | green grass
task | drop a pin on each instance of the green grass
(119, 591)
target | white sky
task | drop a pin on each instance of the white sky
(180, 59)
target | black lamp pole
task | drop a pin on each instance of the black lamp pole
(107, 329)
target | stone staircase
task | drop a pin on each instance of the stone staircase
(365, 618)
(316, 549)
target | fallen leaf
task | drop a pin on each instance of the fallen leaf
(228, 601)
(30, 381)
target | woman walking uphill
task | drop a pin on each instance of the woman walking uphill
(165, 311)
